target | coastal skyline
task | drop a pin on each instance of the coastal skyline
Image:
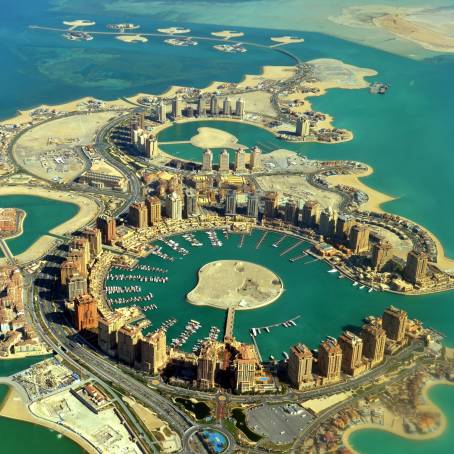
(200, 205)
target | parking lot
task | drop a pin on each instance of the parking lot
(280, 423)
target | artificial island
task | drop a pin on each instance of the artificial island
(161, 180)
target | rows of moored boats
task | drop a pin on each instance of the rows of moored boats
(212, 236)
(131, 299)
(137, 277)
(154, 269)
(212, 335)
(157, 250)
(167, 324)
(192, 240)
(175, 246)
(121, 290)
(191, 328)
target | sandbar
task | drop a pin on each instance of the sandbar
(227, 34)
(132, 38)
(234, 283)
(430, 28)
(421, 33)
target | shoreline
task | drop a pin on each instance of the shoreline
(398, 432)
(88, 210)
(376, 198)
(13, 407)
(20, 230)
(375, 202)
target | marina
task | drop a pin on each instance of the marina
(294, 246)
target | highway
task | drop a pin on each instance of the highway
(51, 323)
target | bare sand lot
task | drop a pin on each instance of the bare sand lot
(233, 283)
(296, 187)
(51, 150)
(14, 407)
(214, 138)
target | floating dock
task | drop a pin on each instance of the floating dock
(262, 239)
(291, 247)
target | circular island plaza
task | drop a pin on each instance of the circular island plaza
(235, 284)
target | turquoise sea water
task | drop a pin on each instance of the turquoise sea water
(21, 437)
(404, 135)
(247, 135)
(327, 305)
(377, 442)
(12, 366)
(42, 216)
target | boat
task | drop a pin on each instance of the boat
(272, 357)
(254, 332)
(285, 355)
(332, 270)
(267, 329)
(355, 284)
(370, 290)
(362, 286)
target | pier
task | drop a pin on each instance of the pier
(259, 243)
(274, 325)
(279, 241)
(242, 240)
(229, 324)
(298, 257)
(291, 247)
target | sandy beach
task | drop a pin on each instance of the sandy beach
(375, 202)
(394, 425)
(13, 407)
(376, 198)
(88, 210)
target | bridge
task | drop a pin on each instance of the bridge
(7, 252)
(229, 324)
